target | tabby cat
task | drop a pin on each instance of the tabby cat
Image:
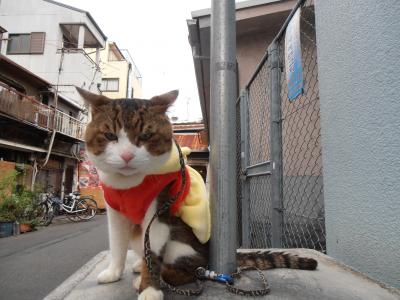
(127, 140)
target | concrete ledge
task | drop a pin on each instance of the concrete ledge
(331, 280)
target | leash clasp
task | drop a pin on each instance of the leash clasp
(203, 273)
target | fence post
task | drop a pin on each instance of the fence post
(276, 146)
(244, 157)
(223, 95)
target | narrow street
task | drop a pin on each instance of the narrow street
(33, 264)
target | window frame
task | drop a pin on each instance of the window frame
(29, 48)
(109, 79)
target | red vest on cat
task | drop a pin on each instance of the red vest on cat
(134, 202)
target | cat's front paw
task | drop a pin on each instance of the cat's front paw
(109, 275)
(151, 293)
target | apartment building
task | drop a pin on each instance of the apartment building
(120, 76)
(37, 140)
(49, 39)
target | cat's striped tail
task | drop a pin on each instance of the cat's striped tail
(268, 260)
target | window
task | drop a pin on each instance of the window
(110, 85)
(26, 43)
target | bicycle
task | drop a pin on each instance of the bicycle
(46, 208)
(75, 207)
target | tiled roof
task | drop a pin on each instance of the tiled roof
(187, 126)
(193, 141)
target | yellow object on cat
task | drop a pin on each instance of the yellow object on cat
(195, 209)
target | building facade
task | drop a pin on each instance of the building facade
(44, 56)
(339, 138)
(37, 140)
(49, 39)
(120, 76)
(135, 81)
(194, 136)
(360, 113)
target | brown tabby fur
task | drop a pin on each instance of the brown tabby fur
(143, 116)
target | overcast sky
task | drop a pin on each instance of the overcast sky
(156, 35)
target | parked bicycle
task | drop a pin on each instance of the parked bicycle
(75, 206)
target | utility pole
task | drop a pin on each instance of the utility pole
(223, 137)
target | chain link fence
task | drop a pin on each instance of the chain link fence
(300, 221)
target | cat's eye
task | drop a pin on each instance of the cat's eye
(110, 136)
(145, 136)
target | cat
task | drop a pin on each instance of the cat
(129, 140)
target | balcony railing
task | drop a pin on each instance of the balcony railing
(31, 111)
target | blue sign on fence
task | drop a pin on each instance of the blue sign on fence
(294, 69)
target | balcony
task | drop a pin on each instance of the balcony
(30, 111)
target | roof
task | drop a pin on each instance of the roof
(2, 30)
(240, 5)
(192, 135)
(187, 127)
(114, 46)
(33, 78)
(81, 11)
(70, 101)
(193, 141)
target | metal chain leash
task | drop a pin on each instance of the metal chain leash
(147, 247)
(253, 293)
(200, 272)
(228, 280)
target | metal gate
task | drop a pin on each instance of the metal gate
(280, 189)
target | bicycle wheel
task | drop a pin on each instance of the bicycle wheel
(88, 207)
(45, 214)
(74, 215)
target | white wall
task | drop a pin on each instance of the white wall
(359, 70)
(39, 16)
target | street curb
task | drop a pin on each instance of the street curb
(62, 291)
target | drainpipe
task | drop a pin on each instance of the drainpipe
(50, 146)
(55, 111)
(34, 174)
(64, 168)
(128, 80)
(223, 137)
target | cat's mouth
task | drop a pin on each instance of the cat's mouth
(127, 170)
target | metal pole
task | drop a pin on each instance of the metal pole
(244, 155)
(276, 146)
(223, 136)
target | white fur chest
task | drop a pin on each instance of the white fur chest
(159, 233)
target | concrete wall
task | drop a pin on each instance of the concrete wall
(41, 16)
(359, 71)
(250, 48)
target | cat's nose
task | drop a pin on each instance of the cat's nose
(127, 156)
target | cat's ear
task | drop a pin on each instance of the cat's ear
(162, 102)
(94, 100)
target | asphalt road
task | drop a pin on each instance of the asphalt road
(33, 264)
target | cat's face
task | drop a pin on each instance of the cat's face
(129, 136)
